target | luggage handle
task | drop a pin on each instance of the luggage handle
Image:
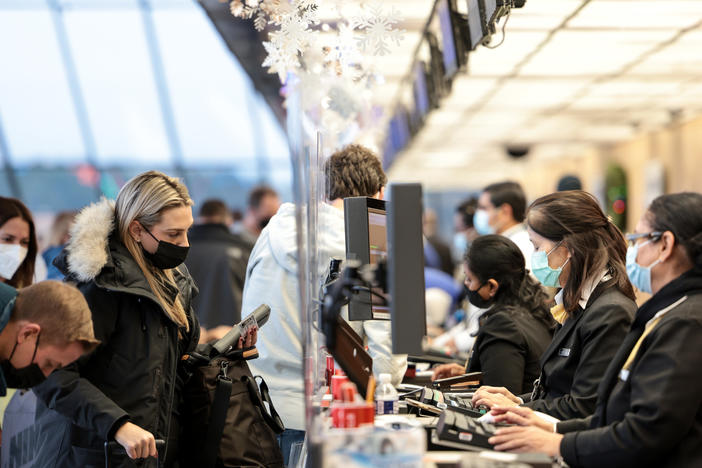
(114, 447)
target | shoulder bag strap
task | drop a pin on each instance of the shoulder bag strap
(218, 414)
(272, 418)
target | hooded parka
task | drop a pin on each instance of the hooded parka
(134, 375)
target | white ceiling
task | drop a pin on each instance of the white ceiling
(570, 75)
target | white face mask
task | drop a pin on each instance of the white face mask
(11, 257)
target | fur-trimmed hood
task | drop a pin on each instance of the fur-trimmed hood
(95, 254)
(88, 250)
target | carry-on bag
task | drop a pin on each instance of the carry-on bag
(227, 419)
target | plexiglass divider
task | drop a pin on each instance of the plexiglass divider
(308, 189)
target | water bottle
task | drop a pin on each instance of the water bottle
(386, 397)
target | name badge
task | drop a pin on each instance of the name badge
(565, 352)
(624, 375)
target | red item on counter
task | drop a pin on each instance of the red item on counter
(336, 382)
(348, 415)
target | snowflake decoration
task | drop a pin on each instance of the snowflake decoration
(279, 61)
(294, 33)
(305, 4)
(343, 53)
(260, 22)
(378, 30)
(333, 72)
(236, 7)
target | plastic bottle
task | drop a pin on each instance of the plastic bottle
(386, 397)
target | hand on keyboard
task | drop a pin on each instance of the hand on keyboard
(522, 439)
(521, 416)
(494, 396)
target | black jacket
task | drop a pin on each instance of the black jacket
(652, 416)
(581, 350)
(508, 347)
(217, 262)
(134, 373)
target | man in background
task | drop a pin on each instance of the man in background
(262, 204)
(217, 262)
(501, 210)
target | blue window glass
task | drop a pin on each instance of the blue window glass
(36, 110)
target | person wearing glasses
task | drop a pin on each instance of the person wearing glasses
(579, 250)
(650, 398)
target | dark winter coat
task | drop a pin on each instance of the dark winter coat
(134, 374)
(573, 364)
(652, 415)
(508, 347)
(217, 263)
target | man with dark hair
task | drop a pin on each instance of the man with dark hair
(271, 278)
(501, 210)
(262, 204)
(353, 172)
(217, 262)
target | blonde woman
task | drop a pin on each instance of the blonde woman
(126, 257)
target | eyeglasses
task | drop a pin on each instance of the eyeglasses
(653, 235)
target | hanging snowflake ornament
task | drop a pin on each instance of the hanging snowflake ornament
(305, 4)
(279, 61)
(294, 33)
(378, 29)
(330, 66)
(236, 7)
(260, 22)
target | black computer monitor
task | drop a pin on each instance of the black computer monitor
(477, 22)
(422, 104)
(406, 267)
(366, 240)
(448, 39)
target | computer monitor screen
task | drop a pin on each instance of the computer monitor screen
(378, 246)
(366, 240)
(406, 268)
(476, 23)
(421, 92)
(447, 38)
(490, 10)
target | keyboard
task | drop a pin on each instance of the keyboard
(447, 400)
(469, 433)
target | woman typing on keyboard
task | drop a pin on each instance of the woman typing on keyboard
(580, 251)
(516, 328)
(649, 399)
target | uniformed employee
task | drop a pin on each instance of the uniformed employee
(580, 251)
(648, 411)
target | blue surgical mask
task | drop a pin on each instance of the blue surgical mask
(544, 273)
(480, 223)
(640, 276)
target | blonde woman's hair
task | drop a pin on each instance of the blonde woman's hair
(144, 198)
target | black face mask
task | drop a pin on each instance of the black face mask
(475, 299)
(167, 255)
(264, 222)
(24, 377)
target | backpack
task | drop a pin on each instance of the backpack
(223, 416)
